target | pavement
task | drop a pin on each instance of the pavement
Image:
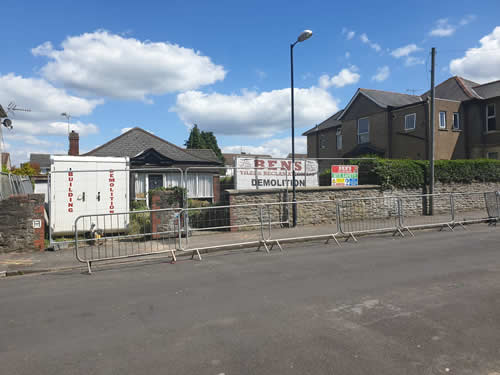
(14, 264)
(384, 305)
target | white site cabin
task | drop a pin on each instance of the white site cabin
(88, 185)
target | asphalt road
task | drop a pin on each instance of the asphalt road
(424, 305)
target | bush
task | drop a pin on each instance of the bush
(403, 173)
(140, 222)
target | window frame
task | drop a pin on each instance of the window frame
(456, 122)
(338, 138)
(323, 142)
(359, 134)
(488, 117)
(442, 126)
(492, 152)
(414, 115)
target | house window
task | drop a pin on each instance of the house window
(339, 138)
(410, 121)
(363, 130)
(322, 142)
(456, 121)
(442, 120)
(492, 155)
(491, 121)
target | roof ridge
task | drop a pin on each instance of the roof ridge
(487, 83)
(149, 134)
(465, 89)
(389, 92)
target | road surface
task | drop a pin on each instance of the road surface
(423, 305)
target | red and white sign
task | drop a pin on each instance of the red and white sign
(267, 173)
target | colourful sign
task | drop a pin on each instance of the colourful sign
(344, 175)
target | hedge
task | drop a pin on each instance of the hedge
(404, 173)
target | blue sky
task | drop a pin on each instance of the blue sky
(223, 64)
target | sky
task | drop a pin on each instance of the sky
(223, 65)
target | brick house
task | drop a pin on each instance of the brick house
(395, 125)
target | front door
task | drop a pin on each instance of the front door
(155, 181)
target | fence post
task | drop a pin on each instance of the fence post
(452, 205)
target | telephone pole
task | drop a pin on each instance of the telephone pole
(431, 132)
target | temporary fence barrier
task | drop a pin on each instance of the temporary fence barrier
(197, 229)
(415, 211)
(316, 220)
(493, 206)
(469, 208)
(369, 215)
(149, 232)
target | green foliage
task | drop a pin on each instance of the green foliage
(4, 169)
(226, 183)
(195, 140)
(405, 173)
(203, 140)
(176, 195)
(140, 222)
(25, 170)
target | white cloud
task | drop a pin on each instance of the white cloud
(349, 34)
(480, 64)
(111, 65)
(382, 74)
(467, 19)
(46, 103)
(28, 139)
(347, 54)
(252, 113)
(364, 38)
(124, 130)
(346, 76)
(278, 147)
(442, 28)
(405, 50)
(412, 60)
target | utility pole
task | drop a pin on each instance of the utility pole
(431, 132)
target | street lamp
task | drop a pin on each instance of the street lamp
(306, 34)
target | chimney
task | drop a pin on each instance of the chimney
(74, 144)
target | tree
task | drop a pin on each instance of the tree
(204, 140)
(211, 143)
(195, 140)
(25, 170)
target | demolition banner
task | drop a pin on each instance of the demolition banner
(264, 173)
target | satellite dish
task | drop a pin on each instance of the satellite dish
(7, 123)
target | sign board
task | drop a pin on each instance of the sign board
(37, 224)
(267, 173)
(344, 175)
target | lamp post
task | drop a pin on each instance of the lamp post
(306, 34)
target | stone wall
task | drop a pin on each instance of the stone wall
(19, 216)
(468, 197)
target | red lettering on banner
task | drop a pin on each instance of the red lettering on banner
(298, 166)
(70, 210)
(70, 204)
(287, 164)
(271, 164)
(259, 163)
(70, 194)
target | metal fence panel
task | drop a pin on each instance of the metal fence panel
(493, 204)
(148, 232)
(469, 207)
(415, 211)
(368, 215)
(222, 226)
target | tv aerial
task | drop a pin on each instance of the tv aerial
(12, 108)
